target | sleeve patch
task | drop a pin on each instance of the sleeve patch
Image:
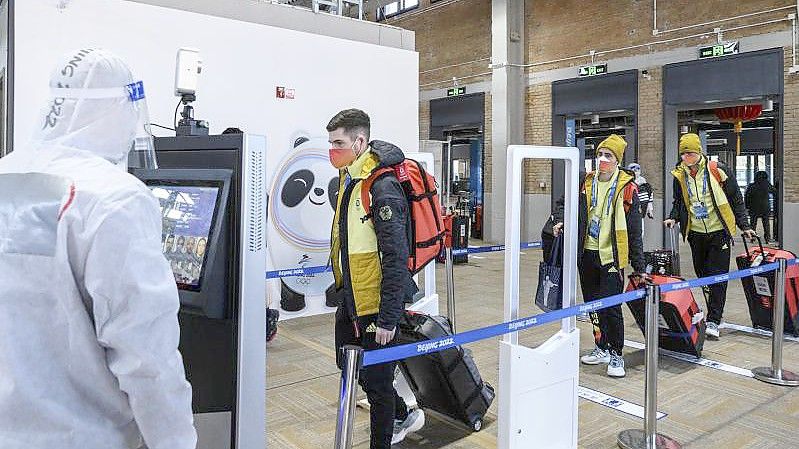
(386, 213)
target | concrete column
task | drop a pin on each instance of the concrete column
(671, 142)
(507, 104)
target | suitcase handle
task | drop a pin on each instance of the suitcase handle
(675, 247)
(632, 277)
(746, 247)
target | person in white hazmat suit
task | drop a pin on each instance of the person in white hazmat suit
(88, 303)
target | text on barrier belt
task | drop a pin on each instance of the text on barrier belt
(309, 271)
(400, 352)
(491, 249)
(439, 344)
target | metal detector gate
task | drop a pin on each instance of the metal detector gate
(538, 386)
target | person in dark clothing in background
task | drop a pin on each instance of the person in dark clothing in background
(758, 204)
(708, 205)
(554, 225)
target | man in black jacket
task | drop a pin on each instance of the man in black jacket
(708, 205)
(369, 253)
(758, 204)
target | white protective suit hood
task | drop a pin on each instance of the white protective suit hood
(96, 105)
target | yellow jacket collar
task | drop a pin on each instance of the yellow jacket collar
(363, 166)
(686, 169)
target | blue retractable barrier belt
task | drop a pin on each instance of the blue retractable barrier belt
(297, 272)
(429, 346)
(491, 249)
(701, 282)
(307, 271)
(435, 345)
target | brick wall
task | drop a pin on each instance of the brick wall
(650, 127)
(559, 29)
(538, 131)
(424, 119)
(461, 32)
(791, 133)
(448, 35)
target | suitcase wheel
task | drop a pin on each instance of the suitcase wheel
(477, 425)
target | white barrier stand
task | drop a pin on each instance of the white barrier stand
(538, 387)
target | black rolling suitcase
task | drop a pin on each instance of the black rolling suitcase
(665, 262)
(448, 381)
(460, 237)
(759, 290)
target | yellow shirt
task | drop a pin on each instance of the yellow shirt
(700, 191)
(601, 212)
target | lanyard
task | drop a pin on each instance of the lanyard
(704, 184)
(595, 192)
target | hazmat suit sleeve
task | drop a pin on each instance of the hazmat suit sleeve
(134, 302)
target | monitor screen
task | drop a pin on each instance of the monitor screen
(188, 211)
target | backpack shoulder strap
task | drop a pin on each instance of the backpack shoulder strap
(713, 166)
(366, 188)
(630, 190)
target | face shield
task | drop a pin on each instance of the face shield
(142, 151)
(126, 102)
(97, 106)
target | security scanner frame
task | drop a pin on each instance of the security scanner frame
(538, 386)
(223, 311)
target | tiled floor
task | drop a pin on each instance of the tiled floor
(706, 408)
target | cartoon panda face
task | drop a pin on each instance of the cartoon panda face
(305, 191)
(301, 186)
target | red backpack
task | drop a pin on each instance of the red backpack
(425, 210)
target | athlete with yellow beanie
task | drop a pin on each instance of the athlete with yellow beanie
(610, 240)
(708, 205)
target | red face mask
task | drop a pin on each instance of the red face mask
(605, 165)
(342, 157)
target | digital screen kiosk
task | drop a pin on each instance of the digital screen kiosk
(194, 206)
(213, 205)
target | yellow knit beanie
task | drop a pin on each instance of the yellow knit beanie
(616, 145)
(690, 143)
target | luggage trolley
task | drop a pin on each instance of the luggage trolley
(538, 386)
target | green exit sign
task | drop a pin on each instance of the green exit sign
(456, 91)
(722, 49)
(593, 70)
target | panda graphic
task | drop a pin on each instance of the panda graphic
(301, 208)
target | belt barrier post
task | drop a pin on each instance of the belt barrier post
(775, 374)
(649, 438)
(448, 266)
(353, 357)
